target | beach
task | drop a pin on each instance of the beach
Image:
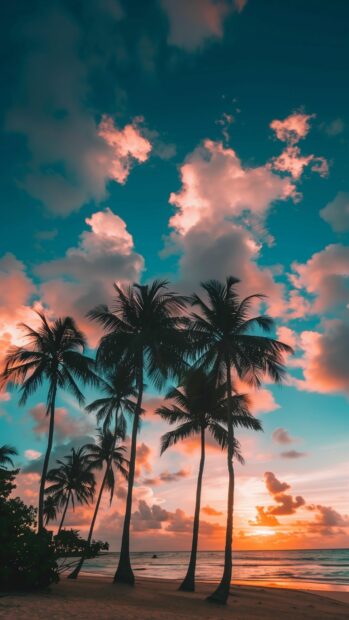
(97, 598)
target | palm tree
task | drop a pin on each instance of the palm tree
(118, 387)
(72, 481)
(6, 452)
(142, 331)
(222, 333)
(55, 354)
(50, 509)
(103, 452)
(200, 407)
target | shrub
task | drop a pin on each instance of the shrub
(27, 559)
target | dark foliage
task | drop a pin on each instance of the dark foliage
(27, 559)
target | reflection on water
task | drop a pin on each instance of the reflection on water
(279, 567)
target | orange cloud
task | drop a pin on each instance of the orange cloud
(211, 512)
(284, 504)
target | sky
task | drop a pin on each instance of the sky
(186, 140)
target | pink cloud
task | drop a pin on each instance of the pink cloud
(336, 212)
(262, 401)
(194, 22)
(287, 335)
(325, 277)
(66, 426)
(154, 527)
(27, 487)
(292, 454)
(32, 455)
(326, 516)
(144, 459)
(216, 185)
(166, 477)
(281, 435)
(292, 161)
(325, 362)
(71, 158)
(127, 144)
(293, 128)
(84, 277)
(16, 293)
(215, 249)
(221, 207)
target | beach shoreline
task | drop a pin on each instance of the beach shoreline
(152, 599)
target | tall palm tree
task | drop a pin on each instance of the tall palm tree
(6, 452)
(55, 354)
(222, 333)
(198, 407)
(73, 481)
(50, 509)
(118, 387)
(104, 452)
(143, 331)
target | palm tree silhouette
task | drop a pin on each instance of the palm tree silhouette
(6, 452)
(72, 481)
(55, 354)
(50, 509)
(118, 387)
(198, 407)
(142, 331)
(104, 452)
(222, 333)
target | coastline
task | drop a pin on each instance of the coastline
(152, 599)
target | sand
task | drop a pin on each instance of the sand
(95, 598)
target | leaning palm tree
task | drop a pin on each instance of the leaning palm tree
(221, 331)
(73, 481)
(6, 454)
(55, 354)
(104, 452)
(198, 407)
(50, 509)
(142, 331)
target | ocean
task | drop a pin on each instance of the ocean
(322, 567)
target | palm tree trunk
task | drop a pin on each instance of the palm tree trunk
(220, 595)
(75, 573)
(51, 412)
(64, 513)
(124, 572)
(188, 584)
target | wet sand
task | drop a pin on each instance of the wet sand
(95, 598)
